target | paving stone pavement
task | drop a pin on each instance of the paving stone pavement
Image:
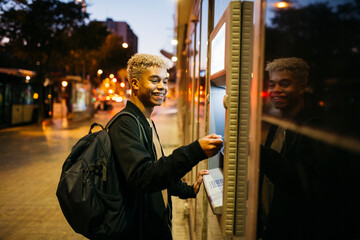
(31, 158)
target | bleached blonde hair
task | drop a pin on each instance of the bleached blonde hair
(293, 64)
(139, 62)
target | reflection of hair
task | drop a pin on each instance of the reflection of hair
(293, 64)
(140, 62)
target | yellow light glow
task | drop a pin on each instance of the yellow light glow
(64, 83)
(107, 85)
(111, 91)
(122, 84)
(107, 98)
(35, 96)
(125, 45)
(281, 4)
(114, 80)
(100, 71)
(174, 58)
(49, 96)
(111, 76)
(118, 99)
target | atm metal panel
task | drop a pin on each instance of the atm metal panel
(244, 116)
(232, 106)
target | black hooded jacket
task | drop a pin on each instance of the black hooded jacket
(143, 177)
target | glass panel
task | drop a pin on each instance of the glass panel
(325, 34)
(203, 65)
(2, 100)
(18, 94)
(309, 188)
(220, 6)
(29, 92)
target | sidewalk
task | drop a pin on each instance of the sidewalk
(30, 165)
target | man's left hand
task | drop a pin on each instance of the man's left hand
(199, 180)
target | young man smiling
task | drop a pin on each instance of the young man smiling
(292, 166)
(287, 83)
(148, 177)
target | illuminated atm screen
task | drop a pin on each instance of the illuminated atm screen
(217, 92)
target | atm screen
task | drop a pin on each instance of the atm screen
(217, 116)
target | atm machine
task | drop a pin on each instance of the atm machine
(229, 111)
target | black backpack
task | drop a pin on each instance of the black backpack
(89, 192)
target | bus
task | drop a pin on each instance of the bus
(19, 97)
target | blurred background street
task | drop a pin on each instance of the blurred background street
(30, 165)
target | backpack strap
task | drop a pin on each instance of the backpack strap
(141, 128)
(94, 125)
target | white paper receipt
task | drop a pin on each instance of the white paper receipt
(213, 183)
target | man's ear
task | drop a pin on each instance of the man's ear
(302, 87)
(134, 85)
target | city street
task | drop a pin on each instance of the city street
(31, 158)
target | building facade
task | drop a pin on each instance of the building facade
(123, 30)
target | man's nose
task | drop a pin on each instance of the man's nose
(277, 88)
(161, 85)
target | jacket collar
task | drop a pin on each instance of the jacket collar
(131, 107)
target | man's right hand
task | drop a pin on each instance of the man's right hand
(211, 144)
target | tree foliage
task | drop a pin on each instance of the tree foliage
(36, 31)
(55, 36)
(112, 54)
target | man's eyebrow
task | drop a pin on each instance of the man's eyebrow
(157, 76)
(281, 80)
(154, 76)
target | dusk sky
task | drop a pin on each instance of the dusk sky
(151, 21)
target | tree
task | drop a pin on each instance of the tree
(113, 56)
(84, 49)
(35, 31)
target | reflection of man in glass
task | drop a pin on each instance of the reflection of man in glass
(287, 82)
(289, 164)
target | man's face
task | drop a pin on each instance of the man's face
(285, 89)
(153, 86)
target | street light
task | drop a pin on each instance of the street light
(100, 71)
(83, 4)
(125, 45)
(174, 58)
(282, 4)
